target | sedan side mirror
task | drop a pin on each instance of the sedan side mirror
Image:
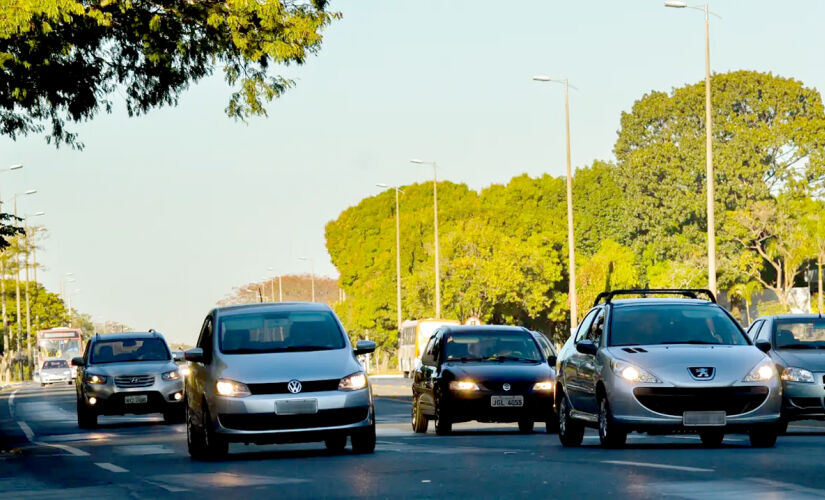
(763, 345)
(78, 362)
(586, 347)
(364, 347)
(194, 355)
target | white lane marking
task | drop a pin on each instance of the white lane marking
(71, 449)
(26, 430)
(110, 467)
(656, 466)
(143, 449)
(167, 487)
(11, 402)
(788, 486)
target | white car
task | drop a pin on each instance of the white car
(54, 371)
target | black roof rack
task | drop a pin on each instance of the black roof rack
(692, 293)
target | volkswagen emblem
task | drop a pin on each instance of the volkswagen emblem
(294, 386)
(506, 387)
(702, 372)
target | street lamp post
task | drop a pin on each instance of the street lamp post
(435, 230)
(397, 253)
(571, 242)
(17, 286)
(708, 145)
(28, 301)
(312, 275)
(6, 337)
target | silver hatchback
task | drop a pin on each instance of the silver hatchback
(277, 373)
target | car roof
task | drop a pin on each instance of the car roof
(127, 336)
(272, 307)
(480, 328)
(661, 301)
(791, 316)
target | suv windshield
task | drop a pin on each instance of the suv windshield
(673, 324)
(491, 346)
(280, 332)
(128, 350)
(800, 334)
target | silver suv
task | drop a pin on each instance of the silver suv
(276, 373)
(127, 373)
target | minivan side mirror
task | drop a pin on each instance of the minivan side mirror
(364, 347)
(763, 345)
(78, 362)
(194, 355)
(586, 346)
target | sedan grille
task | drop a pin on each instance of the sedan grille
(128, 381)
(275, 422)
(515, 387)
(677, 400)
(306, 386)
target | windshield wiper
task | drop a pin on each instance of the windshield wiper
(466, 358)
(798, 346)
(513, 358)
(696, 342)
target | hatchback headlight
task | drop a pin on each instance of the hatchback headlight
(632, 373)
(762, 372)
(463, 386)
(792, 374)
(173, 375)
(95, 379)
(353, 382)
(232, 389)
(543, 386)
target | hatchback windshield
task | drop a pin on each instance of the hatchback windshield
(673, 324)
(800, 334)
(280, 332)
(491, 346)
(59, 363)
(127, 350)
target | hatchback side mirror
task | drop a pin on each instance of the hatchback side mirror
(763, 345)
(586, 347)
(364, 347)
(78, 362)
(194, 355)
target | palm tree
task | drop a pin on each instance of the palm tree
(745, 291)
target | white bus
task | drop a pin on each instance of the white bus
(413, 337)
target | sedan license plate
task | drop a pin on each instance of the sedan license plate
(130, 400)
(296, 406)
(506, 401)
(703, 418)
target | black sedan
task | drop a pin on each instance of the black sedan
(482, 373)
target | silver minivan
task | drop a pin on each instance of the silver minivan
(277, 373)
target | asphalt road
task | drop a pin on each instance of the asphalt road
(140, 457)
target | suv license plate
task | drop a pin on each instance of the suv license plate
(703, 418)
(506, 401)
(130, 400)
(296, 406)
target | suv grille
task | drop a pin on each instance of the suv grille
(306, 386)
(677, 400)
(127, 381)
(275, 422)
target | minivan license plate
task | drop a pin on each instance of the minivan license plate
(296, 406)
(506, 401)
(703, 418)
(130, 400)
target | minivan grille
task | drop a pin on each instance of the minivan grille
(677, 400)
(128, 381)
(306, 386)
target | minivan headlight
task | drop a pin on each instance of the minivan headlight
(762, 372)
(793, 374)
(353, 382)
(232, 389)
(632, 373)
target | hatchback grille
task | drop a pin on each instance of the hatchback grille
(275, 422)
(128, 381)
(306, 386)
(677, 400)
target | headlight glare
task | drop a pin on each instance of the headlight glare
(173, 375)
(232, 389)
(762, 372)
(95, 379)
(543, 386)
(353, 382)
(463, 385)
(632, 373)
(793, 374)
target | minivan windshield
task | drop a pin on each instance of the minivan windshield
(800, 334)
(280, 332)
(128, 350)
(673, 324)
(486, 345)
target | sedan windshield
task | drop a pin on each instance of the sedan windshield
(673, 324)
(56, 364)
(800, 334)
(491, 346)
(280, 332)
(128, 350)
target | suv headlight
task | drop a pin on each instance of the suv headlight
(173, 375)
(95, 379)
(232, 389)
(792, 374)
(632, 373)
(353, 382)
(762, 372)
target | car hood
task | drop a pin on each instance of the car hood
(285, 366)
(670, 363)
(133, 368)
(55, 371)
(500, 371)
(813, 360)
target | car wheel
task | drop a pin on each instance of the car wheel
(42, 385)
(764, 436)
(419, 421)
(194, 437)
(571, 432)
(336, 443)
(363, 441)
(443, 424)
(86, 417)
(611, 434)
(69, 382)
(712, 439)
(214, 445)
(526, 426)
(551, 424)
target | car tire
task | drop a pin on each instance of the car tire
(764, 436)
(69, 382)
(551, 425)
(712, 438)
(42, 384)
(571, 432)
(194, 437)
(174, 415)
(525, 426)
(419, 421)
(611, 433)
(86, 417)
(443, 423)
(336, 443)
(216, 446)
(363, 441)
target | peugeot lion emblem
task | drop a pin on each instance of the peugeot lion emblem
(702, 372)
(294, 386)
(506, 387)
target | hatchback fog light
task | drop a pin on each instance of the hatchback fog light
(762, 372)
(232, 389)
(353, 382)
(543, 386)
(463, 385)
(92, 400)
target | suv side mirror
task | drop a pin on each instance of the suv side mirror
(586, 346)
(194, 355)
(763, 345)
(551, 360)
(178, 356)
(364, 347)
(78, 362)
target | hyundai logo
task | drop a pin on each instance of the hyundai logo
(506, 387)
(135, 380)
(294, 386)
(702, 372)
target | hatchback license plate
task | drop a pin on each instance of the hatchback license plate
(130, 400)
(703, 418)
(506, 401)
(296, 406)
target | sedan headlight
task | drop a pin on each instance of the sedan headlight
(95, 379)
(463, 385)
(353, 382)
(632, 373)
(792, 374)
(762, 372)
(173, 375)
(232, 389)
(543, 386)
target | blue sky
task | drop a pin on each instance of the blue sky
(161, 215)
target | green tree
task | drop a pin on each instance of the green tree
(745, 291)
(613, 267)
(814, 222)
(62, 60)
